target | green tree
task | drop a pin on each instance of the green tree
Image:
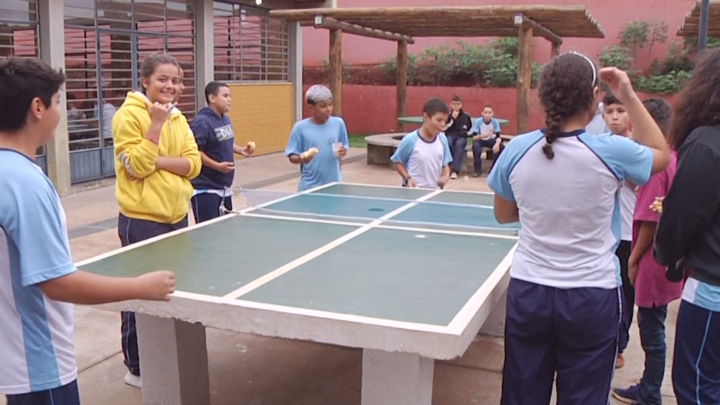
(615, 56)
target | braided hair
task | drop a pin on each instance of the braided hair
(567, 86)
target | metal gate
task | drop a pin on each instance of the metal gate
(19, 37)
(105, 43)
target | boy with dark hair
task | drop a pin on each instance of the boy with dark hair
(38, 279)
(653, 292)
(216, 142)
(423, 156)
(459, 123)
(618, 121)
(486, 134)
(319, 142)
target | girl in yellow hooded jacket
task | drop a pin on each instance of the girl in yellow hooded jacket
(155, 158)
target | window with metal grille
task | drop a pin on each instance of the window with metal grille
(127, 31)
(105, 45)
(249, 45)
(19, 28)
(19, 37)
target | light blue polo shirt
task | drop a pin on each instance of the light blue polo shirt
(324, 168)
(569, 206)
(36, 333)
(481, 127)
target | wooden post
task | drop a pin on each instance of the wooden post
(524, 79)
(401, 82)
(336, 70)
(555, 51)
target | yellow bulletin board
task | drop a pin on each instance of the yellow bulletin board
(262, 113)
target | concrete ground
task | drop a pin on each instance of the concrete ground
(252, 370)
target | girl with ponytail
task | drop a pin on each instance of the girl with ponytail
(561, 183)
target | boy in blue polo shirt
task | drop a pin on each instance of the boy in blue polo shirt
(486, 134)
(216, 142)
(423, 157)
(324, 136)
(38, 279)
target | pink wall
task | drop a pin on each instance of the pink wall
(371, 109)
(612, 15)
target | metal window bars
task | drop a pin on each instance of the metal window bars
(249, 45)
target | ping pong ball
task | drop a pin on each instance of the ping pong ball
(258, 2)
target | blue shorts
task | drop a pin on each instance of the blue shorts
(65, 395)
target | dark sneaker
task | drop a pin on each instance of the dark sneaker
(627, 395)
(476, 175)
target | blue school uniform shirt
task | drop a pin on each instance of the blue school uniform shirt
(324, 168)
(480, 126)
(424, 160)
(36, 336)
(569, 206)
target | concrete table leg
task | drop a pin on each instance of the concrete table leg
(173, 362)
(396, 378)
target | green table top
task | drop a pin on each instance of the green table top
(391, 253)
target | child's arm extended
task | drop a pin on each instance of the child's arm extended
(444, 176)
(402, 171)
(401, 158)
(643, 243)
(90, 289)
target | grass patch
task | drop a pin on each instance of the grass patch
(358, 140)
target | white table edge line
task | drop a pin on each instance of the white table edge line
(467, 312)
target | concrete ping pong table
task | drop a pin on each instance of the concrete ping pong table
(408, 275)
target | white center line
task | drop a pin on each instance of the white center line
(324, 249)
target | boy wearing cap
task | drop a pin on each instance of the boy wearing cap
(319, 142)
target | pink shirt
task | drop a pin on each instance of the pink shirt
(651, 286)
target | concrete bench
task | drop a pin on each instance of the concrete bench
(381, 147)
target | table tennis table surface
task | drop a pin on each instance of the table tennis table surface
(338, 257)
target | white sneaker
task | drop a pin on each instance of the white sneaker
(453, 176)
(133, 380)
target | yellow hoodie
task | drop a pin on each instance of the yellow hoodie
(142, 191)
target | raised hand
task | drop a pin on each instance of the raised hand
(619, 83)
(159, 112)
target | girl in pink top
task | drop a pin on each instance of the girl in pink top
(653, 291)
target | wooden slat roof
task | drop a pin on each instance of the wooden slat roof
(691, 26)
(475, 21)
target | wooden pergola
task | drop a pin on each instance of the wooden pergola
(404, 24)
(691, 25)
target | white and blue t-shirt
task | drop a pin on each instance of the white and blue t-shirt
(324, 168)
(486, 130)
(569, 206)
(36, 333)
(423, 160)
(702, 294)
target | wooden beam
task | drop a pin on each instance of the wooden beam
(333, 24)
(537, 29)
(401, 82)
(524, 79)
(555, 50)
(336, 70)
(563, 21)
